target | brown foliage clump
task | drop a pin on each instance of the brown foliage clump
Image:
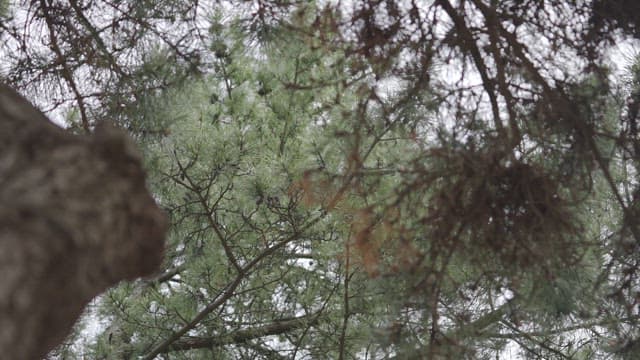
(511, 211)
(470, 204)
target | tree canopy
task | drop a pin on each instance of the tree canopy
(363, 179)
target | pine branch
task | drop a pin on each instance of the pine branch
(228, 292)
(242, 336)
(61, 58)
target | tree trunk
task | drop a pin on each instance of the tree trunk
(75, 219)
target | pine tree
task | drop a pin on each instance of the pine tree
(375, 179)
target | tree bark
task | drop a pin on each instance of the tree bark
(75, 219)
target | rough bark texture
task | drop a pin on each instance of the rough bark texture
(75, 219)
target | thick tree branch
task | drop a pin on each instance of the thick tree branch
(469, 45)
(75, 219)
(242, 336)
